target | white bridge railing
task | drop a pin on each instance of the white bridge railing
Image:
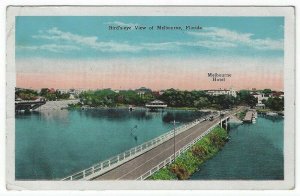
(113, 162)
(170, 159)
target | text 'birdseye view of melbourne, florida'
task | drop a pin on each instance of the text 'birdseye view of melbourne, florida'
(149, 98)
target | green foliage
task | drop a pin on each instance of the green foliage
(180, 171)
(217, 140)
(196, 99)
(244, 97)
(241, 115)
(60, 95)
(74, 106)
(26, 94)
(267, 91)
(44, 92)
(163, 174)
(109, 98)
(263, 110)
(52, 95)
(188, 163)
(275, 103)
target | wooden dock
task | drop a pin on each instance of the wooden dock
(249, 116)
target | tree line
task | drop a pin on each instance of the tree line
(50, 95)
(197, 99)
(172, 97)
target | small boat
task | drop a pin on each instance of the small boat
(271, 114)
(255, 114)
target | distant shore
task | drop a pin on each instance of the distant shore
(138, 108)
(57, 105)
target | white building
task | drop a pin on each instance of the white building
(63, 91)
(260, 97)
(156, 104)
(142, 91)
(217, 92)
(76, 92)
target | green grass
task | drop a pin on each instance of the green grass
(241, 115)
(263, 110)
(163, 174)
(190, 161)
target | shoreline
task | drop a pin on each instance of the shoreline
(57, 105)
(86, 107)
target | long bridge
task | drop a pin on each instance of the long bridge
(142, 161)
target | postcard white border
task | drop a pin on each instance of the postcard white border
(289, 88)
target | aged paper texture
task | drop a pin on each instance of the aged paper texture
(150, 97)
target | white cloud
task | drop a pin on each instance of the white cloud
(211, 38)
(162, 46)
(88, 41)
(92, 42)
(177, 45)
(221, 35)
(51, 47)
(212, 44)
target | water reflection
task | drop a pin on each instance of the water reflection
(116, 114)
(60, 116)
(181, 116)
(275, 118)
(143, 114)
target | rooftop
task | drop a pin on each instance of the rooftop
(157, 101)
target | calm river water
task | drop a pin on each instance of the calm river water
(55, 144)
(254, 152)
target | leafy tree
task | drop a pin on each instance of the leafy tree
(26, 94)
(276, 103)
(267, 91)
(44, 92)
(201, 102)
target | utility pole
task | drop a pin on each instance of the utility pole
(220, 118)
(174, 130)
(174, 123)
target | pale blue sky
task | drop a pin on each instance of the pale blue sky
(89, 37)
(80, 52)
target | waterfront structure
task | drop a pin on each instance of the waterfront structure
(260, 106)
(220, 91)
(156, 104)
(250, 116)
(22, 105)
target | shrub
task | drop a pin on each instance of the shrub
(180, 171)
(163, 174)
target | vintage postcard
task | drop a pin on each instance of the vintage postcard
(150, 97)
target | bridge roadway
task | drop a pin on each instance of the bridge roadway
(136, 167)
